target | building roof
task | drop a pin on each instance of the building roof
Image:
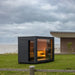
(34, 37)
(63, 34)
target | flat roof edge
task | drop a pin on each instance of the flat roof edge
(63, 34)
(34, 36)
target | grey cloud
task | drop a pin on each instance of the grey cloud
(29, 13)
(23, 18)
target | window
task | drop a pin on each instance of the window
(31, 50)
(44, 49)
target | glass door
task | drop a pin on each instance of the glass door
(44, 49)
(31, 50)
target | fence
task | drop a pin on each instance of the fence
(32, 70)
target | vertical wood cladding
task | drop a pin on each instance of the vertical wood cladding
(64, 44)
(41, 45)
(23, 50)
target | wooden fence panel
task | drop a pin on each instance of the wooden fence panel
(32, 70)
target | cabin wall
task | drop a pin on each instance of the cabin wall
(22, 50)
(65, 45)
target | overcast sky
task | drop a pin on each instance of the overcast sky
(35, 17)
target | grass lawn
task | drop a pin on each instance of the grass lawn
(61, 62)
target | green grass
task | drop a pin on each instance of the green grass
(61, 62)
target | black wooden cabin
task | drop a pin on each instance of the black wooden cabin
(35, 49)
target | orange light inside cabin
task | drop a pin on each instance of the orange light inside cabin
(41, 53)
(51, 49)
(41, 48)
